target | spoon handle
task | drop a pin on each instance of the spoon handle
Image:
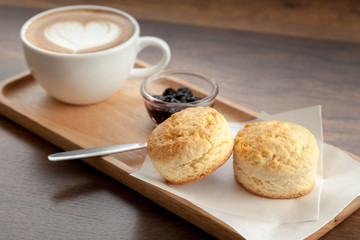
(94, 152)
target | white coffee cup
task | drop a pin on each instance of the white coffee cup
(86, 78)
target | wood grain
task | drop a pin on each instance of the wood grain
(322, 19)
(273, 70)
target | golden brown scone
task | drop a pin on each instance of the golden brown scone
(190, 145)
(275, 159)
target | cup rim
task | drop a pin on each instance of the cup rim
(74, 7)
(210, 97)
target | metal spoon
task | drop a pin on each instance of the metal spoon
(95, 152)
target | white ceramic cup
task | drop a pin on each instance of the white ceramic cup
(87, 78)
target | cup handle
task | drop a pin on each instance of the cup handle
(145, 42)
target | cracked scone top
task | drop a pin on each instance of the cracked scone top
(190, 145)
(275, 159)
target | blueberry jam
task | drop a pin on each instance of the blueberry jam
(161, 112)
(182, 95)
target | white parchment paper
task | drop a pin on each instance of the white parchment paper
(220, 195)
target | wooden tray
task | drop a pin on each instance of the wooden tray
(120, 119)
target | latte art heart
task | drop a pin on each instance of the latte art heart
(76, 36)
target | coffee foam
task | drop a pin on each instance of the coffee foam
(76, 36)
(79, 31)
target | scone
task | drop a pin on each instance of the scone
(190, 145)
(275, 159)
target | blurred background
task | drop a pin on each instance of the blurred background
(324, 19)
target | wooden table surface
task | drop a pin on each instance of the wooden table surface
(266, 55)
